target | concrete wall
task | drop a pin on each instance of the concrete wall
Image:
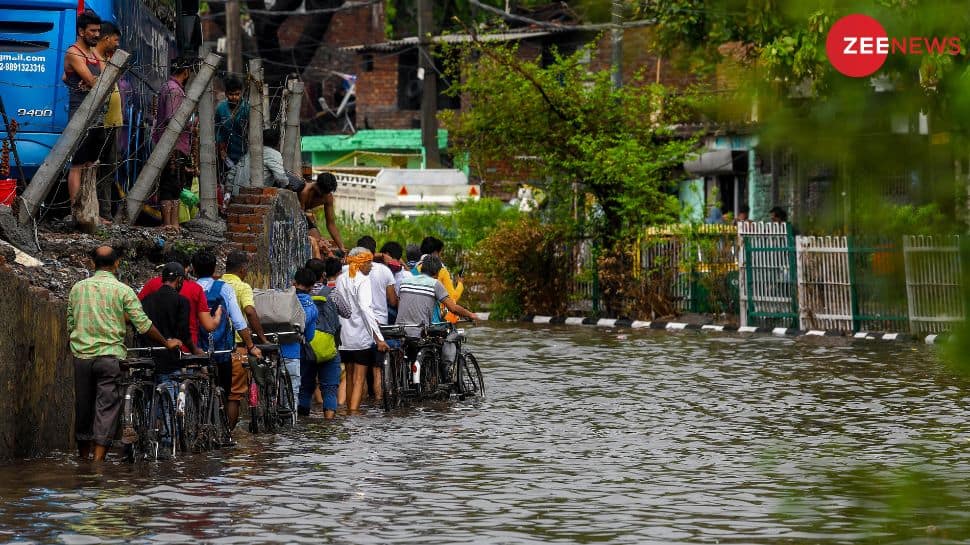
(36, 374)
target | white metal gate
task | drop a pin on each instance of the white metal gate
(767, 268)
(933, 282)
(824, 283)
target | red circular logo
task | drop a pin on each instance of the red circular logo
(857, 45)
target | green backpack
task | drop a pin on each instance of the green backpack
(324, 343)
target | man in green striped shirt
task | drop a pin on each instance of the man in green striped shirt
(97, 310)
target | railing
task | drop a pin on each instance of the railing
(933, 282)
(768, 275)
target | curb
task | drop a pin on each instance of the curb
(936, 338)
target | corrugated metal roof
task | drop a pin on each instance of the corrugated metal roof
(448, 39)
(374, 139)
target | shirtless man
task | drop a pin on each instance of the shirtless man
(314, 195)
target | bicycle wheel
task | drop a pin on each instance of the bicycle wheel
(430, 373)
(134, 431)
(285, 402)
(388, 382)
(164, 431)
(255, 407)
(190, 418)
(220, 421)
(471, 383)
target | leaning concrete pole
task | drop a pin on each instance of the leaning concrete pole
(42, 182)
(291, 138)
(256, 123)
(148, 179)
(208, 207)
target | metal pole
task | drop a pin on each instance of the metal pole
(256, 123)
(429, 91)
(13, 143)
(42, 182)
(145, 184)
(291, 138)
(233, 37)
(208, 207)
(617, 42)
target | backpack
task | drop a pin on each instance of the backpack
(324, 343)
(279, 311)
(224, 337)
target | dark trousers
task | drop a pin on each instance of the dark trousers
(106, 172)
(97, 401)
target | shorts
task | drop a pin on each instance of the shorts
(361, 357)
(239, 383)
(90, 148)
(174, 178)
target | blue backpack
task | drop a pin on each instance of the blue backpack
(224, 337)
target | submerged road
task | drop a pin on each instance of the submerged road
(586, 436)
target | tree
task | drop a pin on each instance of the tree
(571, 129)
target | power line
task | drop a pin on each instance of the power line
(557, 26)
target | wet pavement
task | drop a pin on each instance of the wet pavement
(586, 436)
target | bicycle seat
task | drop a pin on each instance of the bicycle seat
(393, 331)
(194, 358)
(439, 330)
(138, 363)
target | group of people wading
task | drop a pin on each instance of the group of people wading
(180, 308)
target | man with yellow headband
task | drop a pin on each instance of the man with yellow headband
(360, 332)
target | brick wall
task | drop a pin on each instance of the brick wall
(377, 96)
(268, 224)
(355, 26)
(244, 221)
(639, 55)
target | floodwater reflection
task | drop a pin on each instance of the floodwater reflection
(587, 436)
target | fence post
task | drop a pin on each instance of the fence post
(40, 185)
(793, 274)
(291, 138)
(853, 288)
(208, 207)
(256, 114)
(596, 278)
(145, 184)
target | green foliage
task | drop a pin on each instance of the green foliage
(526, 268)
(460, 229)
(569, 127)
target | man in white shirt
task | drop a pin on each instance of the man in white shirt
(273, 173)
(382, 283)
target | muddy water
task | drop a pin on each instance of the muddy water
(586, 436)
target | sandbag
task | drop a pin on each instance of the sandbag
(280, 311)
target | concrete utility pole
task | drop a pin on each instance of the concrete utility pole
(429, 91)
(42, 182)
(208, 207)
(256, 123)
(292, 158)
(233, 37)
(617, 40)
(148, 179)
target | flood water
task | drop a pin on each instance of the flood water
(586, 436)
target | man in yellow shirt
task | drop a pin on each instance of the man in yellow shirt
(434, 246)
(113, 120)
(237, 267)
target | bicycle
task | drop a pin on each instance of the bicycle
(272, 404)
(426, 375)
(148, 414)
(200, 406)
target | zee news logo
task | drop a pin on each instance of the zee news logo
(857, 45)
